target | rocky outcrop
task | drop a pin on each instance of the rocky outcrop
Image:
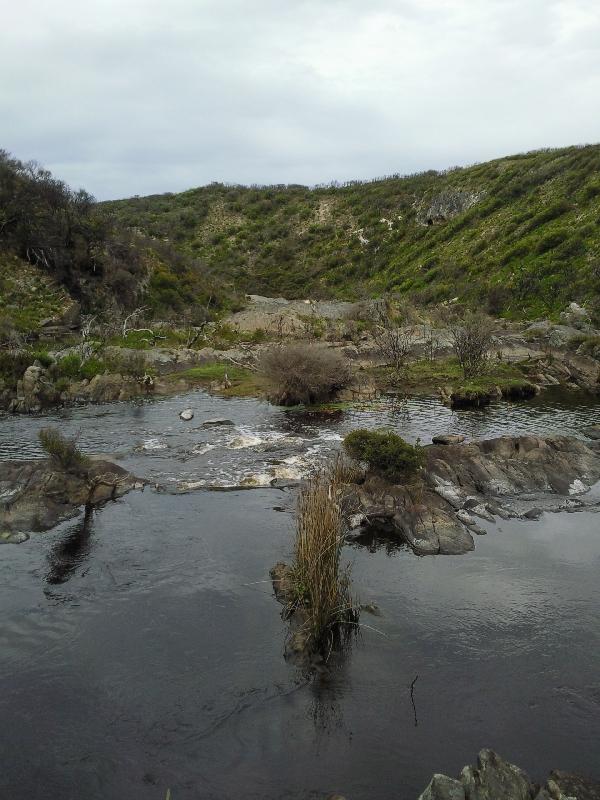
(493, 778)
(35, 391)
(37, 495)
(462, 484)
(447, 205)
(576, 316)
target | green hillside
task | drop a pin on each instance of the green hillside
(518, 235)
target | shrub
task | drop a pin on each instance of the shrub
(69, 366)
(44, 358)
(472, 341)
(13, 365)
(63, 451)
(302, 372)
(385, 452)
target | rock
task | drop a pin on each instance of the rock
(448, 438)
(533, 513)
(441, 787)
(577, 316)
(496, 779)
(186, 415)
(216, 421)
(13, 538)
(447, 205)
(573, 785)
(36, 495)
(592, 431)
(493, 778)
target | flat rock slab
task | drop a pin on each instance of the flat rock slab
(449, 438)
(216, 422)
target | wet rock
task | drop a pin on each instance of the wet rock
(216, 422)
(495, 778)
(592, 431)
(510, 466)
(186, 415)
(36, 495)
(533, 513)
(13, 538)
(441, 787)
(573, 785)
(448, 438)
(436, 514)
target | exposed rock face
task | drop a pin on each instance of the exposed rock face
(447, 205)
(35, 391)
(36, 495)
(577, 316)
(462, 483)
(496, 779)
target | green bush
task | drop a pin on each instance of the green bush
(44, 358)
(63, 451)
(385, 452)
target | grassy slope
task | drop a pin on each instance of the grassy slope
(527, 247)
(28, 295)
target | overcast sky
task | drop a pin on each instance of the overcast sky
(129, 97)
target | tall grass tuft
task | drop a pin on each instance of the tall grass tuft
(322, 588)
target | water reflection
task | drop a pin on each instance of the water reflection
(71, 550)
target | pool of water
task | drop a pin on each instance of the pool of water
(141, 648)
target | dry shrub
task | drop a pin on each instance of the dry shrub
(321, 587)
(302, 372)
(472, 343)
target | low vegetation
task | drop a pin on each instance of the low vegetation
(63, 451)
(385, 453)
(303, 373)
(525, 243)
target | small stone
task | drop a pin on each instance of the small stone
(186, 415)
(215, 421)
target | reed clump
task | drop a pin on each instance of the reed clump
(321, 585)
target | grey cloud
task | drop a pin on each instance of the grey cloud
(145, 96)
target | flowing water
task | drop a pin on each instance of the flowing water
(141, 648)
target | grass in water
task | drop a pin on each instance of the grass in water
(322, 587)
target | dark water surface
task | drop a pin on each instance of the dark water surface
(141, 648)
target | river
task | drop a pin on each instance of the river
(141, 649)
